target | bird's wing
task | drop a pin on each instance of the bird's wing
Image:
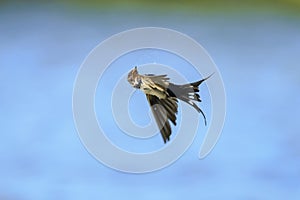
(163, 110)
(161, 80)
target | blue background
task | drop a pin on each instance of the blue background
(256, 50)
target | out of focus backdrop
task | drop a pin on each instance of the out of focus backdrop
(256, 46)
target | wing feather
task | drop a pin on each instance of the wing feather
(163, 110)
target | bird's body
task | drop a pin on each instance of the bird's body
(163, 97)
(152, 85)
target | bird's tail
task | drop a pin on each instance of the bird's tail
(188, 93)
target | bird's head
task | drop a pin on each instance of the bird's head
(133, 78)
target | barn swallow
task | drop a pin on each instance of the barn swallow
(163, 96)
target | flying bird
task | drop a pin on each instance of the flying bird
(163, 96)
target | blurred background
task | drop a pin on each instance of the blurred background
(256, 46)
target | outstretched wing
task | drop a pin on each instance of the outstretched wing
(161, 80)
(163, 110)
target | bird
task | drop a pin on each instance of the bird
(163, 97)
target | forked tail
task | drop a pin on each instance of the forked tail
(188, 93)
